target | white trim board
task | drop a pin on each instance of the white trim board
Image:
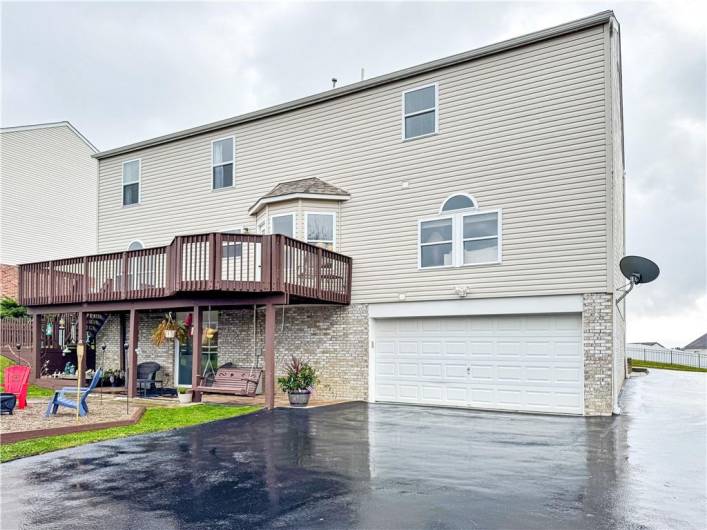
(479, 306)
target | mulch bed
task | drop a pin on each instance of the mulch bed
(31, 423)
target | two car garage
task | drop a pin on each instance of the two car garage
(517, 362)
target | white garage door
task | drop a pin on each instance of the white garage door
(528, 363)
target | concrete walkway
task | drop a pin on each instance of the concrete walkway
(386, 466)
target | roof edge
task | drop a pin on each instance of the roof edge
(491, 49)
(49, 125)
(260, 203)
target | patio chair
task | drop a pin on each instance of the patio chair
(60, 398)
(146, 376)
(16, 382)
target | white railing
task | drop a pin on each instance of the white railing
(667, 356)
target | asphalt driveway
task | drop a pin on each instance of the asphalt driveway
(385, 466)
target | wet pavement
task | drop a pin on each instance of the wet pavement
(386, 466)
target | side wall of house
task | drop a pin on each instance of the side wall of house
(48, 182)
(523, 130)
(617, 209)
(9, 278)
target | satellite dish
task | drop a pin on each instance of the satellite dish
(637, 270)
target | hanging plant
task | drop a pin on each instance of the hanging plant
(168, 329)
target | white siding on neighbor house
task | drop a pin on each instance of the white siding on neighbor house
(48, 195)
(523, 131)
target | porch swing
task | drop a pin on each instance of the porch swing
(230, 380)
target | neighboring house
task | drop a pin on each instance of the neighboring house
(474, 206)
(699, 345)
(48, 191)
(652, 344)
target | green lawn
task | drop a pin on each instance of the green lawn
(664, 366)
(33, 391)
(154, 420)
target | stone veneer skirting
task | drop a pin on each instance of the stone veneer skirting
(598, 343)
(334, 339)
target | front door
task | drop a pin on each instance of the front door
(183, 352)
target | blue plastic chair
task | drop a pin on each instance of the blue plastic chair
(61, 399)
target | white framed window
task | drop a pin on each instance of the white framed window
(420, 112)
(464, 236)
(481, 238)
(223, 155)
(262, 227)
(131, 181)
(436, 242)
(320, 229)
(135, 244)
(283, 224)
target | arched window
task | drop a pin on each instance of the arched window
(135, 245)
(461, 235)
(459, 201)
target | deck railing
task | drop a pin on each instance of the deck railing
(192, 263)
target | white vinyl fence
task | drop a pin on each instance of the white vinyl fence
(665, 355)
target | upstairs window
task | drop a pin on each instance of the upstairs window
(419, 112)
(436, 243)
(131, 182)
(320, 228)
(283, 224)
(222, 157)
(462, 236)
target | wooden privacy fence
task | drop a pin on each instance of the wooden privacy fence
(667, 356)
(200, 262)
(14, 331)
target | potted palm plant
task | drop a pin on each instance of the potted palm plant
(184, 394)
(298, 382)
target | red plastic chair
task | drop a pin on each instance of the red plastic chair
(17, 382)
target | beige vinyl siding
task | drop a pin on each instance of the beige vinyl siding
(523, 130)
(48, 194)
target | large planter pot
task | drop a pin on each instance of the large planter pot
(299, 398)
(184, 398)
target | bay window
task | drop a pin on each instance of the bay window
(320, 229)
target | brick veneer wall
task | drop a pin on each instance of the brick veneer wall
(110, 334)
(334, 339)
(597, 326)
(9, 281)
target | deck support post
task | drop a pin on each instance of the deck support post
(133, 336)
(196, 351)
(81, 359)
(269, 355)
(36, 355)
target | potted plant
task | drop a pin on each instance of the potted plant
(184, 394)
(169, 329)
(298, 382)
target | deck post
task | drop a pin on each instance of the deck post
(196, 352)
(81, 363)
(133, 335)
(36, 356)
(269, 356)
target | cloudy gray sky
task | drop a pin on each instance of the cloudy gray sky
(123, 72)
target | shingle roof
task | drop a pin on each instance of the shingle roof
(306, 187)
(698, 344)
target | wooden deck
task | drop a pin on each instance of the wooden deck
(214, 263)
